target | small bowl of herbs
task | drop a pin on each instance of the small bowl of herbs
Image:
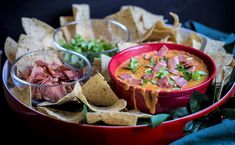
(91, 37)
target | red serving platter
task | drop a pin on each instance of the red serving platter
(72, 133)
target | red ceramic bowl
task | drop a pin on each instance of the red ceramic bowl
(70, 133)
(166, 100)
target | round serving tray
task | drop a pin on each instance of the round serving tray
(94, 134)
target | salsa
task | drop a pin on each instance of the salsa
(163, 70)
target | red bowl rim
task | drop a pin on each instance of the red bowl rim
(212, 73)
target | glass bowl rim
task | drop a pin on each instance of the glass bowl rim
(15, 78)
(120, 25)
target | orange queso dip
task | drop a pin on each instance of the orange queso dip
(162, 70)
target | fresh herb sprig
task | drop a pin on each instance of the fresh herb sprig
(79, 44)
(196, 75)
(162, 73)
(133, 64)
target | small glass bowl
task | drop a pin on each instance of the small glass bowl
(108, 30)
(70, 59)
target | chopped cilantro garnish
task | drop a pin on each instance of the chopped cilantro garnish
(202, 73)
(152, 62)
(145, 81)
(79, 44)
(153, 82)
(181, 68)
(148, 71)
(162, 73)
(133, 64)
(197, 75)
(172, 83)
(190, 75)
(187, 75)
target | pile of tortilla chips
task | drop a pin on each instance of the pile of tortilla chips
(100, 107)
(95, 101)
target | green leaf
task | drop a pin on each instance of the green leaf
(179, 112)
(152, 62)
(162, 73)
(133, 64)
(148, 71)
(173, 84)
(198, 102)
(187, 75)
(202, 73)
(145, 81)
(158, 119)
(180, 68)
(79, 44)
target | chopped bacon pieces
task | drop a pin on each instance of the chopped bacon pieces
(148, 76)
(136, 81)
(126, 76)
(180, 81)
(162, 51)
(160, 64)
(43, 73)
(172, 65)
(164, 83)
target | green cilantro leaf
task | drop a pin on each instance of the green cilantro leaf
(133, 64)
(79, 44)
(152, 62)
(180, 68)
(162, 73)
(148, 71)
(197, 75)
(187, 75)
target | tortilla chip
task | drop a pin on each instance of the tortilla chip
(150, 19)
(126, 18)
(116, 107)
(24, 95)
(223, 75)
(194, 41)
(81, 11)
(176, 20)
(29, 60)
(74, 117)
(98, 92)
(36, 28)
(28, 44)
(140, 114)
(112, 118)
(144, 20)
(136, 13)
(77, 95)
(104, 66)
(125, 45)
(160, 31)
(71, 97)
(66, 19)
(213, 46)
(68, 31)
(10, 48)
